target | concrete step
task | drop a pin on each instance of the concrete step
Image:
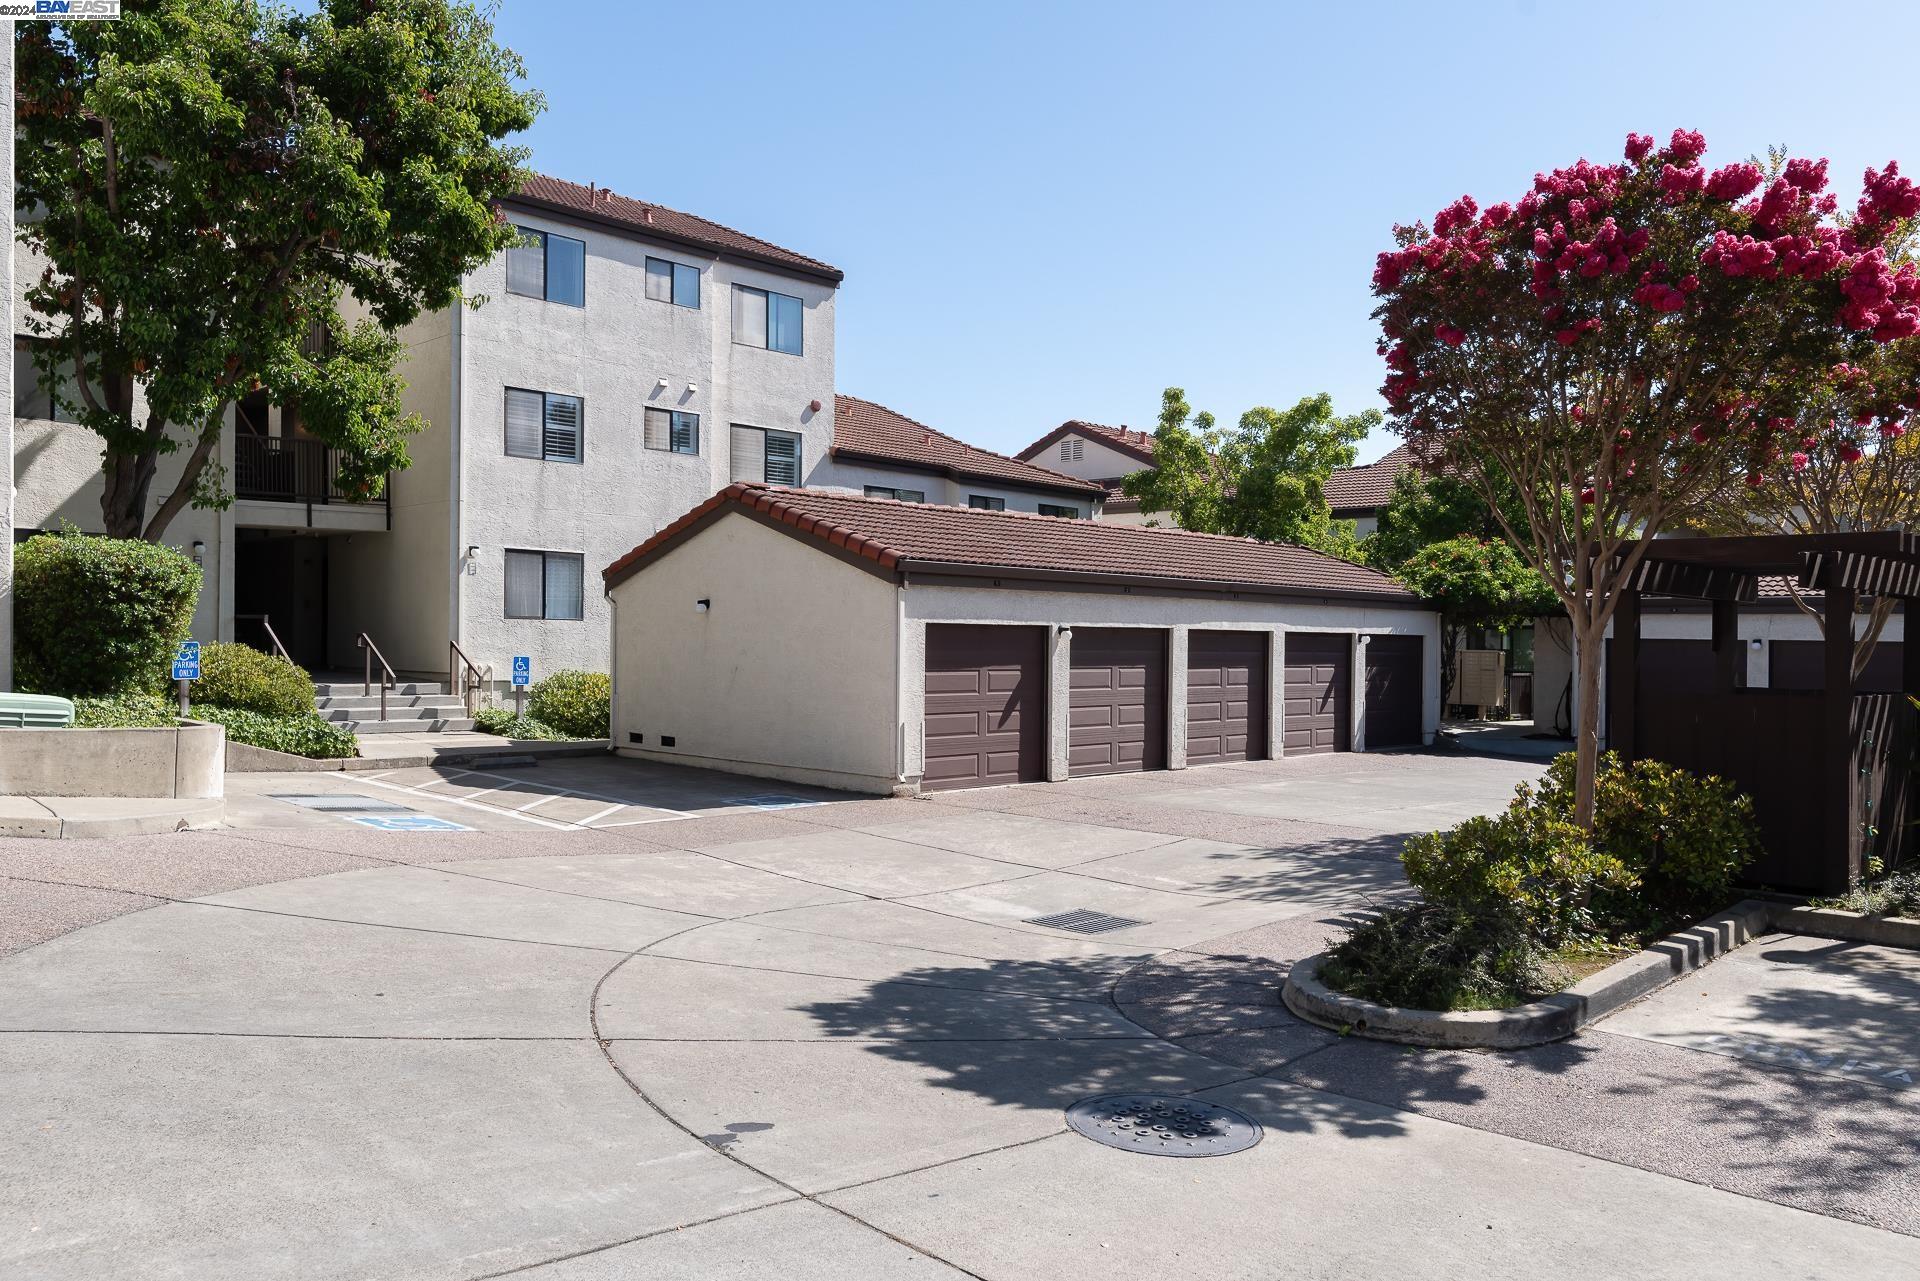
(408, 715)
(371, 702)
(347, 689)
(451, 725)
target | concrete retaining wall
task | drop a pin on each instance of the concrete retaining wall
(185, 762)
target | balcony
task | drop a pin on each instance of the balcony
(291, 469)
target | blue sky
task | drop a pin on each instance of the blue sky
(1054, 210)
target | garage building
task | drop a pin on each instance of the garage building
(885, 646)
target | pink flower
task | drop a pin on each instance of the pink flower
(1756, 479)
(1800, 461)
(1849, 452)
(1733, 181)
(1700, 434)
(1686, 146)
(1449, 335)
(1567, 337)
(1678, 183)
(1638, 145)
(1808, 175)
(1893, 431)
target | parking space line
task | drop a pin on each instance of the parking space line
(590, 819)
(554, 824)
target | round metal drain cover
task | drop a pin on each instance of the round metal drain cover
(1163, 1125)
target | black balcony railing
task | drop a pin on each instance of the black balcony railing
(290, 470)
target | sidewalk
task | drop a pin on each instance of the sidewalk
(97, 816)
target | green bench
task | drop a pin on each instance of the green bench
(35, 711)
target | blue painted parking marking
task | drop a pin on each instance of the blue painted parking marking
(406, 823)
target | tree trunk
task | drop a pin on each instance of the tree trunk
(1586, 740)
(123, 499)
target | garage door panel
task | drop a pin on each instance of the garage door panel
(1396, 677)
(1319, 693)
(985, 712)
(1116, 701)
(1226, 696)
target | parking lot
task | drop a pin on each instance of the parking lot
(593, 1019)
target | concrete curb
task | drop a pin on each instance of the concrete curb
(1828, 922)
(242, 759)
(1552, 1019)
(164, 816)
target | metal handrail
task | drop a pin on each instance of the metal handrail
(272, 635)
(386, 679)
(464, 675)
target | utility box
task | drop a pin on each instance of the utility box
(35, 711)
(1480, 679)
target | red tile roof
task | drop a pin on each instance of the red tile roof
(1366, 487)
(865, 431)
(556, 195)
(1127, 440)
(924, 537)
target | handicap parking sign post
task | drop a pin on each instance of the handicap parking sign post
(186, 669)
(522, 677)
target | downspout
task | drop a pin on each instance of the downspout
(613, 671)
(456, 544)
(899, 680)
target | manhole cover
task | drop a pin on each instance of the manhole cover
(1083, 921)
(1163, 1125)
(343, 801)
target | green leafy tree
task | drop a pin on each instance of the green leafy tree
(210, 179)
(1474, 582)
(1431, 509)
(1264, 478)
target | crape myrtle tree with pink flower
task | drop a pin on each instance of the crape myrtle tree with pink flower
(1621, 339)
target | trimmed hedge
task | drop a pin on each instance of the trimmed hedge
(95, 616)
(578, 704)
(242, 677)
(309, 734)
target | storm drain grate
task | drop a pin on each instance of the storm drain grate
(1083, 921)
(344, 802)
(1163, 1125)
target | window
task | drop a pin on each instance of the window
(32, 398)
(1049, 509)
(673, 282)
(543, 425)
(672, 430)
(898, 495)
(981, 502)
(1072, 449)
(544, 265)
(763, 455)
(764, 319)
(545, 584)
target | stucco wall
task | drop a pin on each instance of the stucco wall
(613, 353)
(1179, 615)
(1096, 462)
(855, 477)
(790, 673)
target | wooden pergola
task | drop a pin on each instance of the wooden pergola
(1830, 770)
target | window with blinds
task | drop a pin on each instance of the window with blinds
(898, 495)
(762, 318)
(546, 585)
(986, 503)
(672, 431)
(1051, 509)
(544, 425)
(760, 455)
(543, 265)
(673, 282)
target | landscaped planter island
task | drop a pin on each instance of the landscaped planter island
(185, 761)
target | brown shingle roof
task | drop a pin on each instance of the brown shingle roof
(1369, 486)
(923, 537)
(1128, 440)
(597, 203)
(867, 431)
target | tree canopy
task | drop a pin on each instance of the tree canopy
(208, 180)
(1622, 338)
(1263, 478)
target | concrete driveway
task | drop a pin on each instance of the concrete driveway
(602, 1021)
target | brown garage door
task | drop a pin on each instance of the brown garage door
(1117, 701)
(1394, 686)
(986, 706)
(1226, 697)
(1319, 693)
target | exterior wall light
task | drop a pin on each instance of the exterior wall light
(702, 606)
(199, 552)
(1757, 644)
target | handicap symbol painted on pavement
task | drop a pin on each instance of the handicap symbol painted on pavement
(406, 823)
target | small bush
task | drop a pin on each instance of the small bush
(502, 721)
(98, 616)
(308, 734)
(1683, 838)
(1523, 861)
(578, 704)
(1431, 956)
(242, 677)
(124, 711)
(1895, 893)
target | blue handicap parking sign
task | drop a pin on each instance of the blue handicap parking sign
(407, 823)
(186, 663)
(522, 671)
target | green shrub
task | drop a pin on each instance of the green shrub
(502, 721)
(124, 711)
(1895, 893)
(242, 677)
(98, 615)
(308, 734)
(1432, 956)
(1522, 860)
(578, 704)
(1683, 838)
